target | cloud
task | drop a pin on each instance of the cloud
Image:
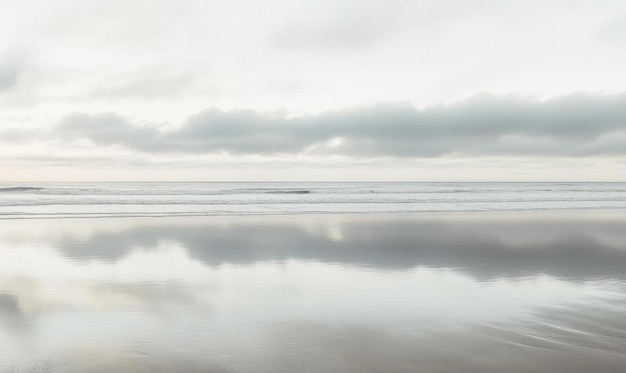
(12, 65)
(573, 125)
(106, 129)
(147, 84)
(613, 31)
(349, 26)
(339, 34)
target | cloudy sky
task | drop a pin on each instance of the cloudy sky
(312, 90)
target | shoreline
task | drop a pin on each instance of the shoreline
(450, 213)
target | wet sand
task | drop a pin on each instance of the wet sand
(470, 292)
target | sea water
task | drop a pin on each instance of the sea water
(52, 200)
(313, 277)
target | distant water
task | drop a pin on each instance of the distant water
(53, 200)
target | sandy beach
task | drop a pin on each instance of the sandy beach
(312, 186)
(471, 292)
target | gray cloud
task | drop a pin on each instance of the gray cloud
(573, 125)
(12, 64)
(106, 129)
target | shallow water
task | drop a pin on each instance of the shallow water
(471, 292)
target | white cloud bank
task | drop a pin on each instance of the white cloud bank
(574, 125)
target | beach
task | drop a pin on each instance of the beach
(532, 291)
(431, 186)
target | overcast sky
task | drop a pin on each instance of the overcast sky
(312, 90)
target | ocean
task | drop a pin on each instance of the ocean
(56, 200)
(313, 277)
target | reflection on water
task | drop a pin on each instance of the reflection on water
(471, 292)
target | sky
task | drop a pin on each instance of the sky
(342, 90)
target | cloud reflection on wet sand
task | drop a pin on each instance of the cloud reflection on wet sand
(470, 292)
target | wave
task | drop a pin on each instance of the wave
(304, 191)
(172, 214)
(130, 192)
(20, 189)
(311, 202)
(319, 189)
